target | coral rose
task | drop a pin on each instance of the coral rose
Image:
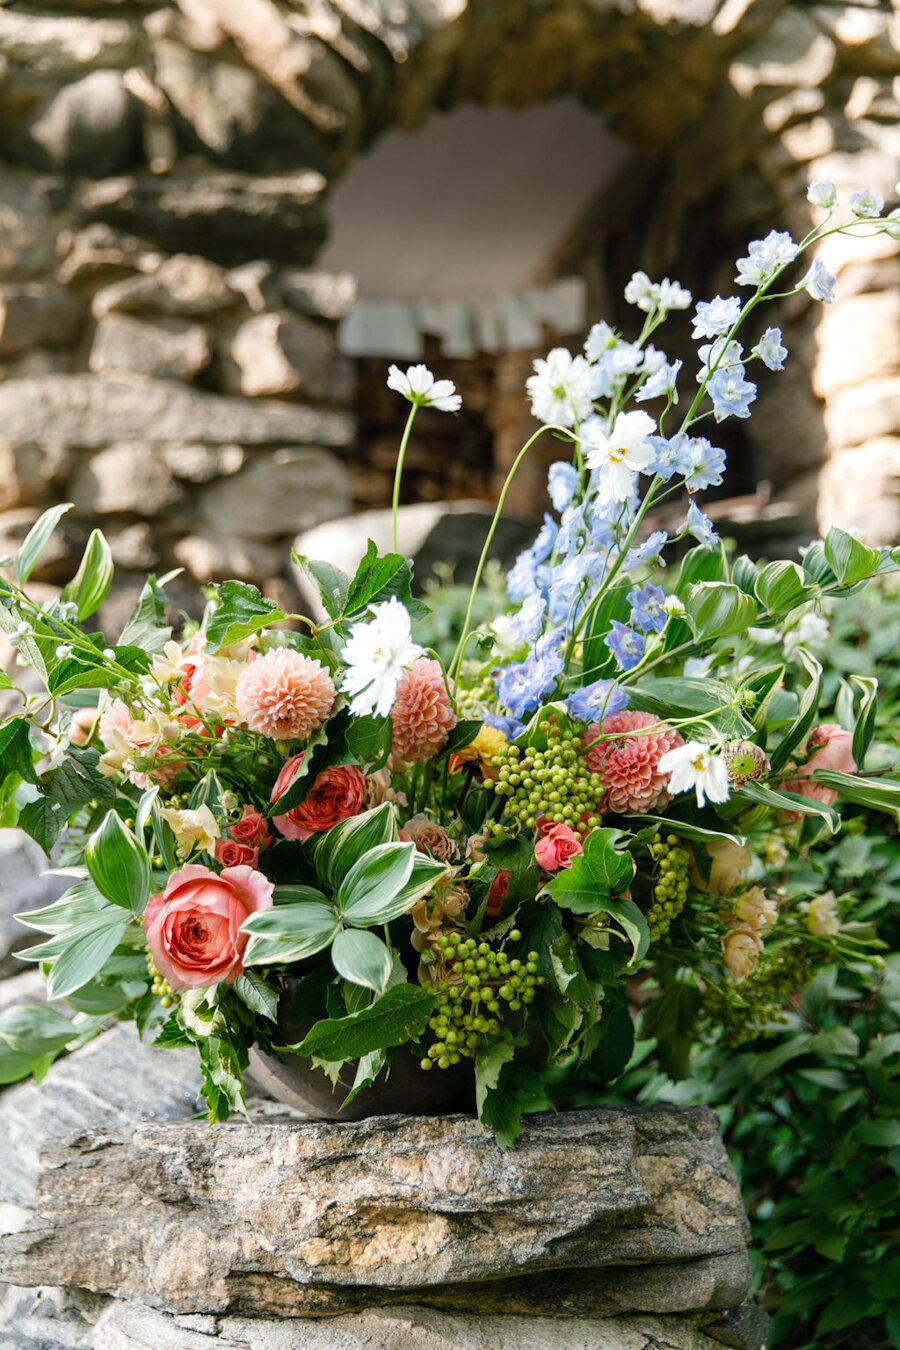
(230, 853)
(832, 749)
(628, 766)
(557, 847)
(336, 794)
(422, 715)
(251, 829)
(498, 893)
(285, 695)
(193, 926)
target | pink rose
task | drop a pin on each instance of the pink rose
(193, 926)
(832, 749)
(252, 829)
(336, 794)
(231, 853)
(558, 846)
(83, 725)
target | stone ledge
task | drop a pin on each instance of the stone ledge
(598, 1211)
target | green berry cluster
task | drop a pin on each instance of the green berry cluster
(670, 887)
(468, 1004)
(475, 700)
(554, 783)
(160, 986)
(757, 1007)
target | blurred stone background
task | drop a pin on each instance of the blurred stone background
(184, 356)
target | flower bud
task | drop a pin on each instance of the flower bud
(744, 761)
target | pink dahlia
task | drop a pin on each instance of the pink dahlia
(628, 766)
(285, 695)
(422, 715)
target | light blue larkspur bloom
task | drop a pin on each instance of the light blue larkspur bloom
(722, 355)
(647, 612)
(596, 701)
(700, 526)
(647, 552)
(731, 394)
(626, 645)
(713, 318)
(705, 465)
(562, 480)
(771, 350)
(820, 283)
(661, 384)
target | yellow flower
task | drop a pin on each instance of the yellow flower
(193, 829)
(481, 751)
(822, 917)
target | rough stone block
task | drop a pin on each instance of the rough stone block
(859, 490)
(201, 463)
(864, 412)
(793, 53)
(163, 348)
(22, 865)
(86, 411)
(67, 45)
(90, 126)
(129, 477)
(36, 314)
(292, 1218)
(858, 339)
(217, 557)
(281, 354)
(231, 218)
(26, 240)
(276, 492)
(100, 254)
(28, 472)
(183, 285)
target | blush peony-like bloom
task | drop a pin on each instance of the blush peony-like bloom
(422, 715)
(741, 947)
(285, 695)
(193, 926)
(336, 794)
(832, 749)
(557, 847)
(629, 767)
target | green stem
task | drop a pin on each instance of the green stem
(398, 472)
(460, 647)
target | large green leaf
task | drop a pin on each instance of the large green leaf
(865, 718)
(398, 1016)
(701, 564)
(289, 933)
(597, 659)
(37, 539)
(373, 575)
(118, 864)
(882, 794)
(781, 586)
(791, 801)
(85, 955)
(147, 628)
(386, 883)
(338, 849)
(680, 696)
(809, 707)
(240, 612)
(632, 922)
(850, 560)
(362, 958)
(594, 876)
(670, 825)
(16, 754)
(90, 585)
(330, 583)
(43, 820)
(718, 608)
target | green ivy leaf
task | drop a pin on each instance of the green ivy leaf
(241, 611)
(594, 876)
(43, 820)
(400, 1015)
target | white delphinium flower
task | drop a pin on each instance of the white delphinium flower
(866, 203)
(376, 653)
(694, 766)
(561, 388)
(506, 635)
(822, 193)
(617, 455)
(421, 388)
(820, 283)
(641, 291)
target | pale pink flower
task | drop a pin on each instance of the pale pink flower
(832, 749)
(285, 695)
(629, 766)
(422, 715)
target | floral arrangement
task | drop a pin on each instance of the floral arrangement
(325, 826)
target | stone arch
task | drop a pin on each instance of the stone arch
(215, 127)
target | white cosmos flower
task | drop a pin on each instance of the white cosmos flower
(422, 389)
(620, 453)
(694, 766)
(376, 653)
(561, 388)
